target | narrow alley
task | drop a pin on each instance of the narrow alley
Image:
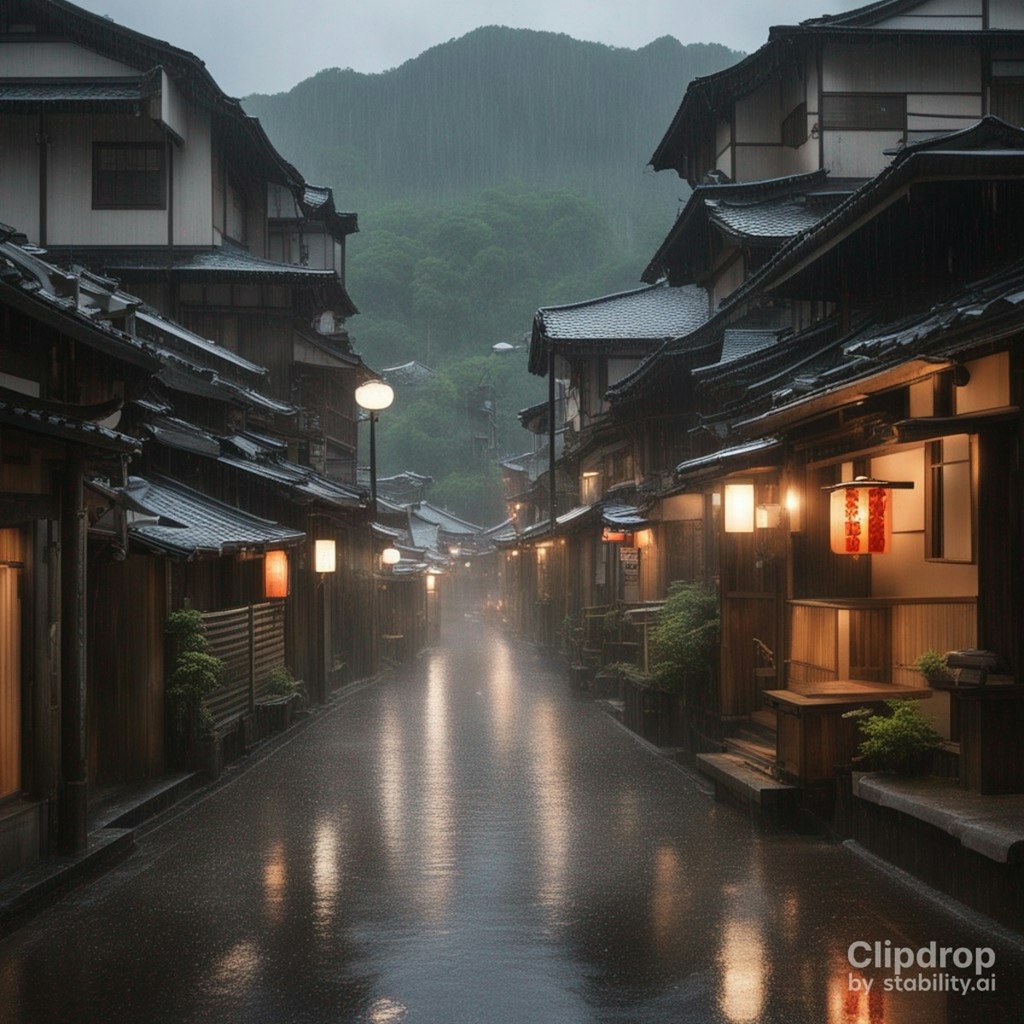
(467, 841)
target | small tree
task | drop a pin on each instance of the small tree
(683, 643)
(897, 741)
(195, 675)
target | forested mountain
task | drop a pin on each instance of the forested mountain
(493, 174)
(498, 104)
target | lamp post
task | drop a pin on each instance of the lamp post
(373, 397)
(325, 563)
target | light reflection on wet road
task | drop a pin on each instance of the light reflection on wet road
(468, 842)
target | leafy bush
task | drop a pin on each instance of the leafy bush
(933, 666)
(281, 683)
(196, 674)
(897, 741)
(684, 642)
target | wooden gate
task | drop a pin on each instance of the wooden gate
(250, 642)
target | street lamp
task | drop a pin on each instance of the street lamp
(390, 556)
(374, 396)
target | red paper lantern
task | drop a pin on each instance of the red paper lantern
(861, 516)
(275, 574)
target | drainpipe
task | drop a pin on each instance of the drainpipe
(73, 774)
(551, 439)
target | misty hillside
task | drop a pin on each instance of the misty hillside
(496, 105)
(493, 174)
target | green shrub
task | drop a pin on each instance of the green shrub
(281, 683)
(683, 645)
(897, 741)
(933, 666)
(195, 674)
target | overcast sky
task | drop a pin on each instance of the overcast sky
(270, 45)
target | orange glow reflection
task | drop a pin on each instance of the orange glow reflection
(667, 898)
(275, 880)
(438, 813)
(551, 799)
(742, 957)
(326, 874)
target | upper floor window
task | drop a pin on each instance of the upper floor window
(880, 112)
(949, 523)
(128, 176)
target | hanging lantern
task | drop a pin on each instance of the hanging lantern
(275, 574)
(391, 556)
(739, 508)
(612, 536)
(861, 515)
(326, 556)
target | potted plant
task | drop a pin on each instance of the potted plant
(933, 666)
(195, 674)
(283, 693)
(900, 741)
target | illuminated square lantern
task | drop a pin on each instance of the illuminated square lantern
(861, 515)
(275, 574)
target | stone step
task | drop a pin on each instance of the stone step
(736, 780)
(760, 754)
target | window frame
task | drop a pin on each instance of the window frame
(899, 123)
(934, 520)
(98, 203)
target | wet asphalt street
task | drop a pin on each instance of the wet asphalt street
(469, 842)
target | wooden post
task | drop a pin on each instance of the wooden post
(252, 657)
(73, 824)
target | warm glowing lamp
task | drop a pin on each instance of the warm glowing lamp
(374, 396)
(391, 556)
(325, 556)
(861, 515)
(768, 516)
(275, 574)
(739, 508)
(431, 584)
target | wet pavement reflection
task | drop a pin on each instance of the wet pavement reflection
(469, 842)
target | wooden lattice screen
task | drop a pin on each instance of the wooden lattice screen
(250, 642)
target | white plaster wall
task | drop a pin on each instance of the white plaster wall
(19, 175)
(70, 216)
(989, 386)
(754, 163)
(908, 68)
(905, 572)
(858, 154)
(1005, 14)
(193, 192)
(758, 116)
(57, 60)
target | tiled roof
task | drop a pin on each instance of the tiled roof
(771, 220)
(623, 516)
(194, 523)
(443, 518)
(740, 453)
(765, 212)
(21, 416)
(423, 534)
(652, 313)
(27, 96)
(150, 324)
(408, 374)
(183, 436)
(220, 259)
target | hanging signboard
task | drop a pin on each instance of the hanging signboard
(629, 561)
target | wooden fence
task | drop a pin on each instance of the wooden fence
(250, 642)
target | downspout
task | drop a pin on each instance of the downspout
(552, 501)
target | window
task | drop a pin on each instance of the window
(949, 526)
(128, 176)
(864, 112)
